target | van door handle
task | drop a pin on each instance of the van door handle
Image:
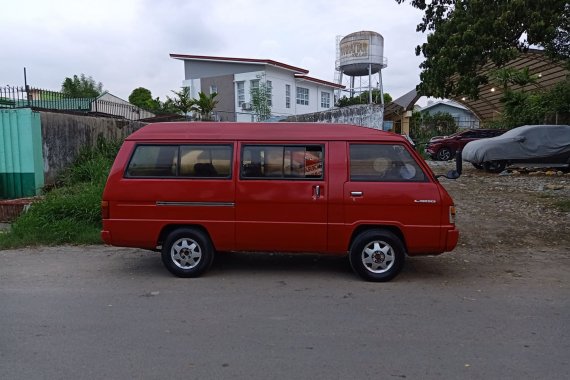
(356, 193)
(317, 191)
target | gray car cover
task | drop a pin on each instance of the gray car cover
(526, 142)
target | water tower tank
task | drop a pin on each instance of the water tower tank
(361, 50)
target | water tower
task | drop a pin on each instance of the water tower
(359, 62)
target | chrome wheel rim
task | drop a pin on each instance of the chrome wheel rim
(186, 253)
(378, 256)
(444, 154)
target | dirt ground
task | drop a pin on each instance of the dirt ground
(509, 224)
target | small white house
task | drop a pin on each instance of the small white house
(464, 118)
(290, 90)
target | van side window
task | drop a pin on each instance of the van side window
(153, 161)
(383, 163)
(194, 161)
(282, 161)
(205, 161)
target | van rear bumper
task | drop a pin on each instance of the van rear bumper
(452, 238)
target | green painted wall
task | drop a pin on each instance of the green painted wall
(21, 158)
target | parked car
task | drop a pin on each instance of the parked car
(190, 190)
(443, 148)
(529, 144)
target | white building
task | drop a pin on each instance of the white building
(291, 90)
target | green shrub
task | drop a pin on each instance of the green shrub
(70, 212)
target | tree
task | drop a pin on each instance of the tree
(182, 103)
(424, 126)
(363, 98)
(204, 105)
(465, 35)
(142, 97)
(261, 99)
(81, 87)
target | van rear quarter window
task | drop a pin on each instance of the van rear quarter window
(383, 163)
(282, 161)
(184, 161)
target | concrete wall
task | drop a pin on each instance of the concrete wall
(367, 115)
(64, 135)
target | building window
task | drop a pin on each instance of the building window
(254, 84)
(303, 96)
(287, 96)
(213, 89)
(240, 93)
(325, 100)
(269, 87)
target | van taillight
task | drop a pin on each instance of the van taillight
(452, 214)
(105, 209)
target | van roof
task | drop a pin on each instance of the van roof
(283, 131)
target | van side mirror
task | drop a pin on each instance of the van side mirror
(454, 174)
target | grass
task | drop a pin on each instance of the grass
(70, 211)
(563, 205)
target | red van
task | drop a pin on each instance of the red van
(192, 189)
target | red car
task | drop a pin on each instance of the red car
(190, 190)
(443, 148)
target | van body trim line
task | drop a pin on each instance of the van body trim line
(196, 204)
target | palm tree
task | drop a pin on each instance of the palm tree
(182, 102)
(205, 104)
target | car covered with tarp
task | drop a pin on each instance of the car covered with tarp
(529, 144)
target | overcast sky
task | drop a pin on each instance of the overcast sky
(126, 44)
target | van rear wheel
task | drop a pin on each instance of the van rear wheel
(187, 252)
(377, 255)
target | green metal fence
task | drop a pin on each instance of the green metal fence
(21, 158)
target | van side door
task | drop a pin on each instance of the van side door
(281, 197)
(388, 187)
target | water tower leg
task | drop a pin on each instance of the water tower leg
(352, 87)
(381, 88)
(339, 91)
(369, 83)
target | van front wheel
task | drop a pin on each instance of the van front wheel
(377, 255)
(187, 252)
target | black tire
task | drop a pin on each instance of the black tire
(187, 252)
(377, 255)
(477, 166)
(495, 166)
(444, 154)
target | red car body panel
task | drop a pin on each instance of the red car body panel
(458, 140)
(302, 215)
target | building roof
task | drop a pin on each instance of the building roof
(449, 103)
(548, 71)
(255, 61)
(289, 132)
(404, 103)
(319, 81)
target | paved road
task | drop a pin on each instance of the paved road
(101, 312)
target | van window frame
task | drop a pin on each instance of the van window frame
(178, 158)
(283, 177)
(403, 146)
